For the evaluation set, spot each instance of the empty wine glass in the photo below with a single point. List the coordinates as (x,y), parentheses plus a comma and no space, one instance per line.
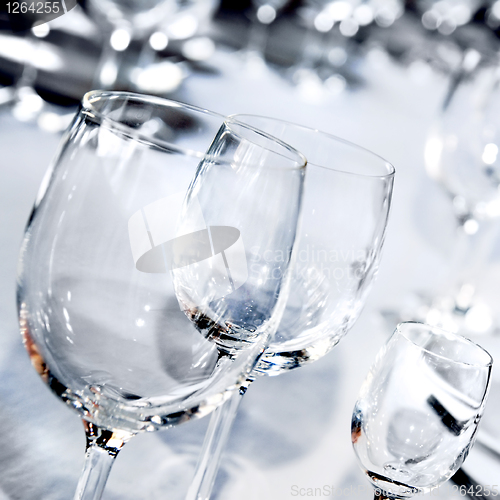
(417,414)
(136,303)
(462,155)
(345,209)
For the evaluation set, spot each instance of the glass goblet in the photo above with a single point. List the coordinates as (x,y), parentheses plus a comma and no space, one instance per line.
(417,414)
(136,302)
(462,156)
(345,210)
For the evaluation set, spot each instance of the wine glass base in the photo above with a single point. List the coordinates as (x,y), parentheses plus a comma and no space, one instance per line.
(391,488)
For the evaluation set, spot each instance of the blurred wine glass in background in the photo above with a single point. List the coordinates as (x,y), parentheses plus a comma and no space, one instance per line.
(462,155)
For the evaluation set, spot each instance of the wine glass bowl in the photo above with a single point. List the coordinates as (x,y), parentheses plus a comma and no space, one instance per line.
(346,204)
(344,216)
(136,302)
(461,154)
(462,148)
(417,413)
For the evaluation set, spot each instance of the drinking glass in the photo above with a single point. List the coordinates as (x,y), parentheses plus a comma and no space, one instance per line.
(417,414)
(462,156)
(136,301)
(345,209)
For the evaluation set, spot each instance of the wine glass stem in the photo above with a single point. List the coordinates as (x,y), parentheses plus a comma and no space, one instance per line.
(470,254)
(95,473)
(216,437)
(102,448)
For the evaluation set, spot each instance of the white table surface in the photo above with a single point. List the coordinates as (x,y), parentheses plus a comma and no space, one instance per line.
(293,431)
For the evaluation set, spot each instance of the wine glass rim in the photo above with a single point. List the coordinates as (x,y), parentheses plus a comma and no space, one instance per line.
(390,167)
(87,104)
(450,335)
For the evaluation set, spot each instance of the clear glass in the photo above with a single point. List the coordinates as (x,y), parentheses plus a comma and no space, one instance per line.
(417,413)
(137,303)
(345,210)
(462,155)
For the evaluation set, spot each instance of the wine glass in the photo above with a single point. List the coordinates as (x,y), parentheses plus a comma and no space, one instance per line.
(462,156)
(417,414)
(345,209)
(136,302)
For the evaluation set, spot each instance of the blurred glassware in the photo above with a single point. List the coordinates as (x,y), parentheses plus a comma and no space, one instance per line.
(186,25)
(136,302)
(445,16)
(417,413)
(317,19)
(149,24)
(461,154)
(493,14)
(345,209)
(330,27)
(32,54)
(263,13)
(450,28)
(189,18)
(123,21)
(23,25)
